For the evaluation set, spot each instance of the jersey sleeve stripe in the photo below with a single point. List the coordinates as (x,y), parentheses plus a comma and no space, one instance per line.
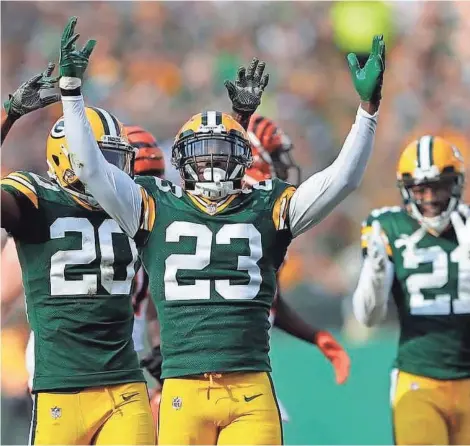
(26,191)
(280,210)
(148,211)
(23,179)
(152,213)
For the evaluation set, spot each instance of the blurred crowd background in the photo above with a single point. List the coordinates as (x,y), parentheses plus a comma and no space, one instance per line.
(156,64)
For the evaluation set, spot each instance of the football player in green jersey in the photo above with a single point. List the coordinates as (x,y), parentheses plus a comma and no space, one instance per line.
(420,253)
(211,249)
(77,267)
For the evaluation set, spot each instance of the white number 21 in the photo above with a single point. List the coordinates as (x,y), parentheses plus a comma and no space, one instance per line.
(437,278)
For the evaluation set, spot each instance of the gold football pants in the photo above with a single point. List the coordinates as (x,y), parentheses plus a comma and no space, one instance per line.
(430,411)
(215,409)
(103,415)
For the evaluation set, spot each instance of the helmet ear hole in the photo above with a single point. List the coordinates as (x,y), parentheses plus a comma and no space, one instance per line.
(55,158)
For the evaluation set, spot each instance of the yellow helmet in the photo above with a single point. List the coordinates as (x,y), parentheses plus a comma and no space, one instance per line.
(112,140)
(212,151)
(430,159)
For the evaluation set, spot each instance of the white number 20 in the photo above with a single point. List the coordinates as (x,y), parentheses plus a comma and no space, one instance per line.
(88,285)
(438,278)
(202,258)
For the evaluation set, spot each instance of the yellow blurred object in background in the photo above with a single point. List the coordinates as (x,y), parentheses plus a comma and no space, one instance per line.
(355,23)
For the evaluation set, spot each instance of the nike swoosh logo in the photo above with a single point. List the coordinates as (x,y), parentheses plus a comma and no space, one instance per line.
(128,396)
(251,398)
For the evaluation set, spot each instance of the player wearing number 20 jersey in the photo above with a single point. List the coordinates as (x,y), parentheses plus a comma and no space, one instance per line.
(78,267)
(421,254)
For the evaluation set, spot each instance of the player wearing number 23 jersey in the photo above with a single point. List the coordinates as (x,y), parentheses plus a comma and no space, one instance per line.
(421,254)
(78,266)
(212,249)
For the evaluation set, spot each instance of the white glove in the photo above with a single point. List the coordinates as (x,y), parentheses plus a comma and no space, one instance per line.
(376,279)
(376,248)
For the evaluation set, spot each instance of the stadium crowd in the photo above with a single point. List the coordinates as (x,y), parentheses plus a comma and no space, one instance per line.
(157,62)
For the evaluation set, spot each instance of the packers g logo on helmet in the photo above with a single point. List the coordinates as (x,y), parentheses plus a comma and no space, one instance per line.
(111,139)
(212,151)
(431,159)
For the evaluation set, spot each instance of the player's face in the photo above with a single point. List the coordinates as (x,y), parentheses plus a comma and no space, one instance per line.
(433,198)
(213,159)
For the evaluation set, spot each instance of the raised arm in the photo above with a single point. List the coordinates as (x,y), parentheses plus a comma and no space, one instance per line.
(247,90)
(28,98)
(321,193)
(370,300)
(316,197)
(113,189)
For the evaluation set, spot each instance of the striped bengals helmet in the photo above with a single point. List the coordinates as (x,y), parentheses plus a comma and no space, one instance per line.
(275,147)
(149,159)
(431,159)
(262,167)
(112,140)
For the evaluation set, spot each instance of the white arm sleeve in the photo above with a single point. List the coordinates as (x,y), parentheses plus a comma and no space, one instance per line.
(113,189)
(370,299)
(321,193)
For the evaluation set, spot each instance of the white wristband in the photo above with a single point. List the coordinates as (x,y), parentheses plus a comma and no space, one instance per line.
(70,83)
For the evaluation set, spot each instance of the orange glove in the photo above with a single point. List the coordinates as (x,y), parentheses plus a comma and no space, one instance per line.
(333,351)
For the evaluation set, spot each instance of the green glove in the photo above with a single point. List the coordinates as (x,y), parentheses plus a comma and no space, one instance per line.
(368,80)
(73,62)
(33,94)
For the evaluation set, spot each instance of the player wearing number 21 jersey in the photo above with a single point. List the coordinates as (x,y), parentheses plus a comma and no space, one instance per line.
(421,255)
(78,267)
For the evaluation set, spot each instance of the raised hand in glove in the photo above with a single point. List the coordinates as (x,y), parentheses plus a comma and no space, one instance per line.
(27,97)
(376,248)
(333,351)
(73,62)
(153,363)
(368,79)
(246,92)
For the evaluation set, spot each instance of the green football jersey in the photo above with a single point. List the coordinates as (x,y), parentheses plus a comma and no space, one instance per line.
(77,267)
(432,292)
(212,274)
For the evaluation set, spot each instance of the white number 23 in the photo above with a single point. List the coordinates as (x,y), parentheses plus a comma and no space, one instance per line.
(201,289)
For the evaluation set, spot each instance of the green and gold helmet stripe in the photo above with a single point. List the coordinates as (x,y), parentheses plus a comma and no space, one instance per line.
(109,122)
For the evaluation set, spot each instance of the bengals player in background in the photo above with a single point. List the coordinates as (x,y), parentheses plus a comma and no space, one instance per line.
(420,253)
(272,158)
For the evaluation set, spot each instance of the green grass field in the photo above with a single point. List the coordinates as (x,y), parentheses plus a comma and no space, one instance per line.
(322,412)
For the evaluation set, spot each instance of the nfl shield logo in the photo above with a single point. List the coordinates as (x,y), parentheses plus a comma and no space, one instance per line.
(177,403)
(56,412)
(212,209)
